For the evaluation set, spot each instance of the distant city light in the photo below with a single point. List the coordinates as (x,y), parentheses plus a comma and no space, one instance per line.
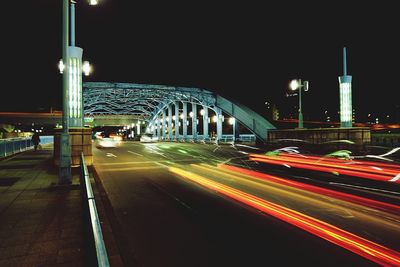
(231,121)
(202,112)
(191,114)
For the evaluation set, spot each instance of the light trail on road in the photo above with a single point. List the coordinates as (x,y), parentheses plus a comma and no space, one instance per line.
(385,175)
(361,246)
(332,193)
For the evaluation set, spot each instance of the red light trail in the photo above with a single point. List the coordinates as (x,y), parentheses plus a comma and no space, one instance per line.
(361,246)
(339,195)
(331,166)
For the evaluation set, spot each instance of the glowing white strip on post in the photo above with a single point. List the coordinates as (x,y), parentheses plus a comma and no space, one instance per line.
(345,103)
(74,87)
(70,89)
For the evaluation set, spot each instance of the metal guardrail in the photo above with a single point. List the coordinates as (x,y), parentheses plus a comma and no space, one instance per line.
(225,138)
(11,146)
(99,252)
(242,138)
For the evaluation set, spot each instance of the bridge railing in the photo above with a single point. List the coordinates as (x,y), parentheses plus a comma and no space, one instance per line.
(226,138)
(95,242)
(245,138)
(11,146)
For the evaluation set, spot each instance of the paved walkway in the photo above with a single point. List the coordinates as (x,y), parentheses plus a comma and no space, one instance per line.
(41,223)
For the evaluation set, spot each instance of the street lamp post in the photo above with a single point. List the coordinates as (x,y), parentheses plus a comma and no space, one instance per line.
(65,149)
(70,66)
(294,85)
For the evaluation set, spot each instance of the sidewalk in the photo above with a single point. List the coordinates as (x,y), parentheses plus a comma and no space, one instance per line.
(41,224)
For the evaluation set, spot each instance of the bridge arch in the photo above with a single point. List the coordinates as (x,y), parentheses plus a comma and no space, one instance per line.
(156,104)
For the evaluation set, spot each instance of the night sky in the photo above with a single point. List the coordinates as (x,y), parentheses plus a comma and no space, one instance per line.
(245,50)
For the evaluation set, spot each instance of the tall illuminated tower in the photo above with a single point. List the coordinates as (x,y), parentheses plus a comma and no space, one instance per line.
(346,108)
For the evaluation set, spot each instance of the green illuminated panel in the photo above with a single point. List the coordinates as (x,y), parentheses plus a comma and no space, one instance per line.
(75,85)
(345,105)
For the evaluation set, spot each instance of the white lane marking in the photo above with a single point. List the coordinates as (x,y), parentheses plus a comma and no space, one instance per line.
(368,188)
(110,155)
(134,153)
(394,179)
(243,152)
(171,195)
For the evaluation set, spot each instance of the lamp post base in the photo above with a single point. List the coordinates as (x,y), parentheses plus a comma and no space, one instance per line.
(300,124)
(65,176)
(80,140)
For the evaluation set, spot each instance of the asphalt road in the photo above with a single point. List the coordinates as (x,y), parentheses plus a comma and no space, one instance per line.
(163,219)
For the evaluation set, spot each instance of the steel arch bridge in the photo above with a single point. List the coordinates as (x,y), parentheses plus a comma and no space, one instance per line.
(164,109)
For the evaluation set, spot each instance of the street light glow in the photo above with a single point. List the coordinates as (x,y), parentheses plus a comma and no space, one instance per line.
(86,68)
(231,121)
(93,2)
(61,66)
(294,84)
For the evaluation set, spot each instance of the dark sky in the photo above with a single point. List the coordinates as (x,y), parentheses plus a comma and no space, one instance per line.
(245,50)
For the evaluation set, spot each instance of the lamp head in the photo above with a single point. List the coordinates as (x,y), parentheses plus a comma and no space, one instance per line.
(86,68)
(294,84)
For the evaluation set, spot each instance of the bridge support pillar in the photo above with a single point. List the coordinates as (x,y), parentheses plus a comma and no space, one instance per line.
(177,120)
(153,128)
(170,122)
(219,123)
(236,132)
(194,121)
(157,125)
(205,123)
(163,124)
(184,121)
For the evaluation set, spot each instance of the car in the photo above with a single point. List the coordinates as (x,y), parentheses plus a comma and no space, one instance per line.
(107,142)
(148,138)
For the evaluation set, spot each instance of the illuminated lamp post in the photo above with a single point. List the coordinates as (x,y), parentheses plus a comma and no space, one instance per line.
(71,105)
(297,85)
(65,149)
(346,109)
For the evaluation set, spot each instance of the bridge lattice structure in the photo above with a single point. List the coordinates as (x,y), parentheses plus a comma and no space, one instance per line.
(171,112)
